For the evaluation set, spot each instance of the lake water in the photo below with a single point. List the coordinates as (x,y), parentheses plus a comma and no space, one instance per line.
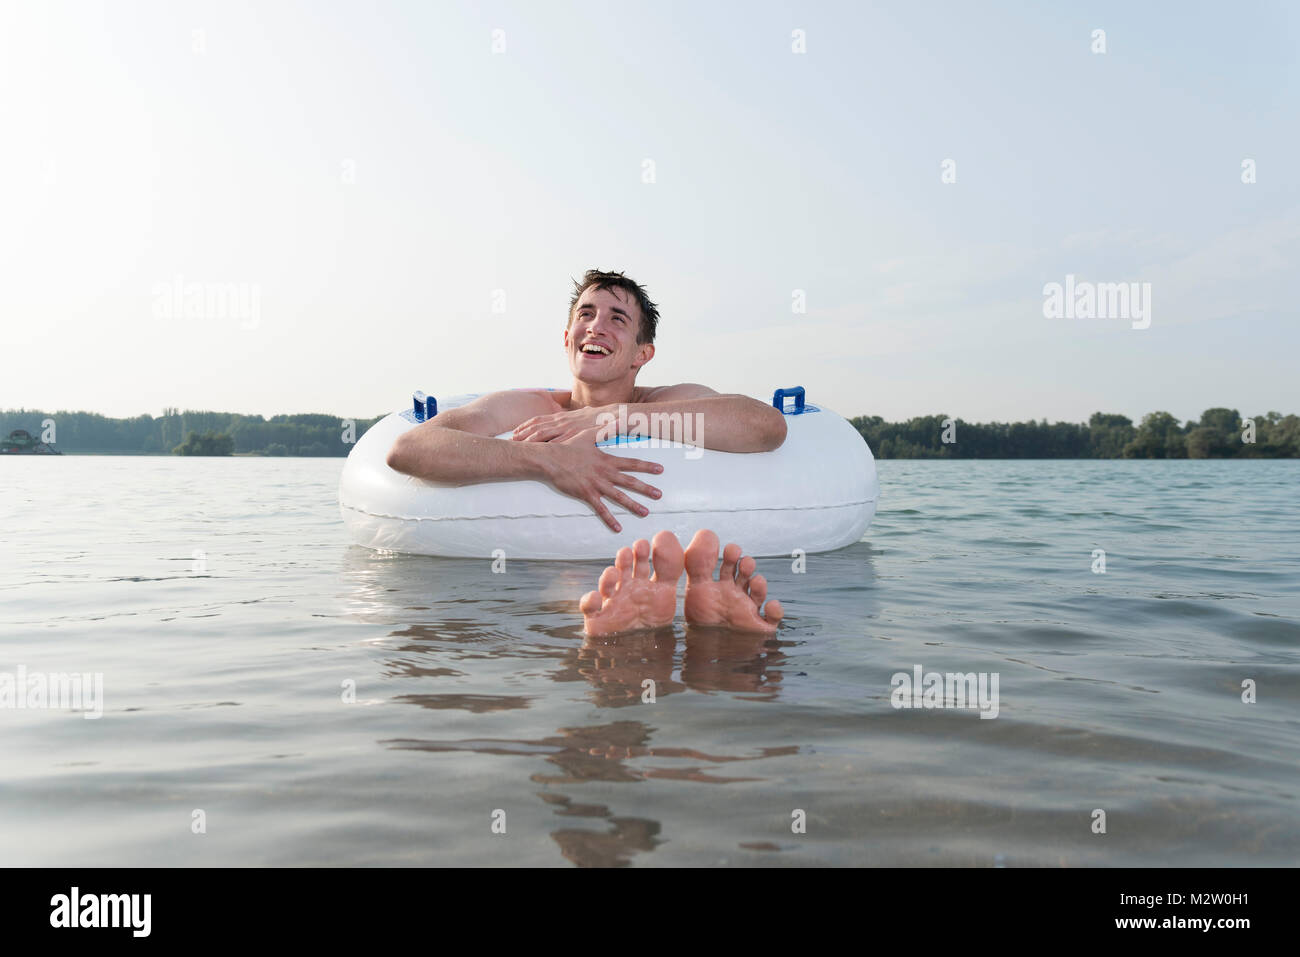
(230,619)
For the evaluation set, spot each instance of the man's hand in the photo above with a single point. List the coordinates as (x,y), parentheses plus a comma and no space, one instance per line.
(577,468)
(561,426)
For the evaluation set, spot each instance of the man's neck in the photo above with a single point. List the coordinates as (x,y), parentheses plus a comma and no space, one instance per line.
(586,395)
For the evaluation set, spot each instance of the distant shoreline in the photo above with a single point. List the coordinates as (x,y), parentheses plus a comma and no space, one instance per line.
(1220,433)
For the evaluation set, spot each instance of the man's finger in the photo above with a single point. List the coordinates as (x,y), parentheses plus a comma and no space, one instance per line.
(637,465)
(636,508)
(605,514)
(635,484)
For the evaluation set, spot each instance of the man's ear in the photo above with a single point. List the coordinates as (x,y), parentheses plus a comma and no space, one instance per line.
(644,355)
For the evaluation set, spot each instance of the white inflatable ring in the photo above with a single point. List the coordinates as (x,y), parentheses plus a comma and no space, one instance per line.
(817,492)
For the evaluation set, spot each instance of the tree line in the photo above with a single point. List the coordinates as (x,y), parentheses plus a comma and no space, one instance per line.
(1218,434)
(193,433)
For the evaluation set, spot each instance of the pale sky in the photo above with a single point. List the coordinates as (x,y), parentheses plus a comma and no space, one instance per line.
(368,174)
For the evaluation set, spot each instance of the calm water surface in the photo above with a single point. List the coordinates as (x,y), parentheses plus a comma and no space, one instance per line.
(230,617)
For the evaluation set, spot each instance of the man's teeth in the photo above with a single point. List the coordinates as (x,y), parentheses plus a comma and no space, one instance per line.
(593,348)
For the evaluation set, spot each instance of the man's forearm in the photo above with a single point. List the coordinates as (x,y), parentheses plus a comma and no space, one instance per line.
(726,423)
(462,458)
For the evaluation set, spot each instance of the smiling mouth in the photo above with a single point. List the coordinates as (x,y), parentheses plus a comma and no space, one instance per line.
(593,351)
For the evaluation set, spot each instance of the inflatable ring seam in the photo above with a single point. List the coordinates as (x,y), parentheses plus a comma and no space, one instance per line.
(616,508)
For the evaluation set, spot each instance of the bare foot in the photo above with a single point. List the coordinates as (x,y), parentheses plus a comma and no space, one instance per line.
(734,599)
(628,598)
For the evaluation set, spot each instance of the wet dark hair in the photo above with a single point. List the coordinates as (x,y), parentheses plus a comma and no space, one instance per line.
(607,280)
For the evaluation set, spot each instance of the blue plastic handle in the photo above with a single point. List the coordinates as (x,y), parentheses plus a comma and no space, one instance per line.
(425,406)
(780,395)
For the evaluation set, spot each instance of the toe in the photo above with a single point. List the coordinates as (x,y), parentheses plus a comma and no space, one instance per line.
(773,613)
(758,590)
(743,572)
(590,603)
(623,563)
(641,552)
(668,557)
(702,556)
(609,581)
(730,555)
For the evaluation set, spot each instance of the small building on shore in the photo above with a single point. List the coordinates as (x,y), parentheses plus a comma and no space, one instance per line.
(22,442)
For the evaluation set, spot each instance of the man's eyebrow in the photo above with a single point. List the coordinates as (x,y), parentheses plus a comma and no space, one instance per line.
(616,309)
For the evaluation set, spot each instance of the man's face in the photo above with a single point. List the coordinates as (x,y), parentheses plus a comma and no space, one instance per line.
(601,338)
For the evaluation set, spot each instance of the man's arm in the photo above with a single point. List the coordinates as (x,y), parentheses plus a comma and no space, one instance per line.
(728,423)
(688,413)
(457,447)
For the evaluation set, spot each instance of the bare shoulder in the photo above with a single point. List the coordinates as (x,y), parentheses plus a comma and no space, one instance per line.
(498,412)
(669,393)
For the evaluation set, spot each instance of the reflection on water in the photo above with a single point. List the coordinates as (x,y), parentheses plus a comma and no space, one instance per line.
(621,670)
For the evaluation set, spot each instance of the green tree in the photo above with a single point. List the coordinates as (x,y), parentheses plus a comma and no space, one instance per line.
(1109,435)
(1221,420)
(1216,436)
(1158,437)
(1276,436)
(209,443)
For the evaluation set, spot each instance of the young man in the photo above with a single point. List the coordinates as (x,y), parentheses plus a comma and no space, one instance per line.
(608,338)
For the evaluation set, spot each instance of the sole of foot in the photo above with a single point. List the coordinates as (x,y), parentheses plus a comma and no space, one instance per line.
(732,600)
(628,597)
